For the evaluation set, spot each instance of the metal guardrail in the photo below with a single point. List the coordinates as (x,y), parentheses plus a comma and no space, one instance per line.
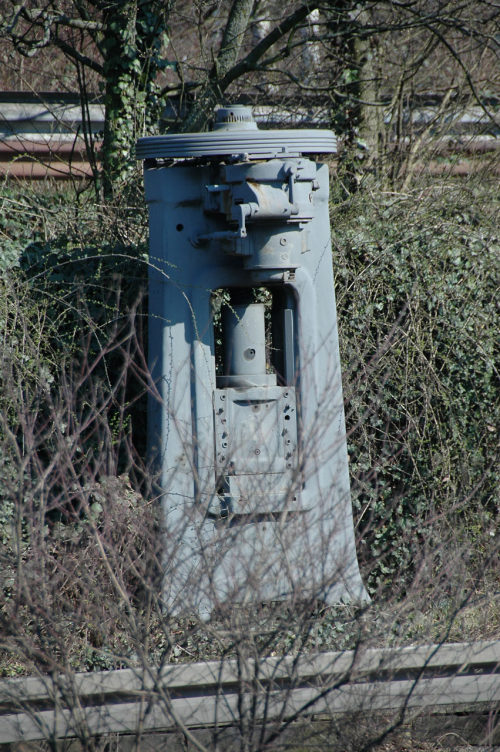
(43,136)
(213,694)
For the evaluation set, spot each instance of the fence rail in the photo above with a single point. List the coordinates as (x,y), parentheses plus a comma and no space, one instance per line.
(43,136)
(214,694)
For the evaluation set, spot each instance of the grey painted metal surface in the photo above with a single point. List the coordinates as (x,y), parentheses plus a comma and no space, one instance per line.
(252,451)
(462,676)
(221,710)
(257,145)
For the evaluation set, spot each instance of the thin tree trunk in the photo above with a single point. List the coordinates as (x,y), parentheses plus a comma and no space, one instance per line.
(119,45)
(211,93)
(133,104)
(371,118)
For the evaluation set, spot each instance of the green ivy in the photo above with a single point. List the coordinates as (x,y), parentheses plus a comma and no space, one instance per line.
(417,288)
(132,48)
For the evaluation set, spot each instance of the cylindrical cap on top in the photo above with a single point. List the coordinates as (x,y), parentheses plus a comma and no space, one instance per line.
(237,117)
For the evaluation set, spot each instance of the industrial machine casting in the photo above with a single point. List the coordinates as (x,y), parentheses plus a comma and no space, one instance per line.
(246,417)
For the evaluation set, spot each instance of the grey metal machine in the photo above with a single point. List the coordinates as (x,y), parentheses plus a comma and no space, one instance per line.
(247,423)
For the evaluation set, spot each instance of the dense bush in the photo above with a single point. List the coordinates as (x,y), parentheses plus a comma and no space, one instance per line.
(71,302)
(417,280)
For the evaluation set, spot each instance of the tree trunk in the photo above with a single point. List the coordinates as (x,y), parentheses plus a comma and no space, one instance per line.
(131,48)
(370,118)
(358,116)
(211,93)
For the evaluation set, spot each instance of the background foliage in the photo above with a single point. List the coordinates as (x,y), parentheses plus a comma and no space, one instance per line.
(416,280)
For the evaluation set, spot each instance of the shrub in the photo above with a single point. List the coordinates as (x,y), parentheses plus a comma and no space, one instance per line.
(417,279)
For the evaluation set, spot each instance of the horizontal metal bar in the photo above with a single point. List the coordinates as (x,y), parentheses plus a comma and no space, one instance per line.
(39,170)
(163,713)
(161,707)
(217,673)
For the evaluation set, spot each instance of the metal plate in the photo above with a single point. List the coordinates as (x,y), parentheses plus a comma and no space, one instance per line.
(253,143)
(256,429)
(256,447)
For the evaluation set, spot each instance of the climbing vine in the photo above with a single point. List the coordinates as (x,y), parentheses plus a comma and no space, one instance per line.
(132,49)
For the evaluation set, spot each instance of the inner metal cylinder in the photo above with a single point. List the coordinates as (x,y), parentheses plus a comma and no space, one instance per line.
(244,335)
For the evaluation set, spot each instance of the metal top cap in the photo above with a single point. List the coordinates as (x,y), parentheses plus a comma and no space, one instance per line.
(236,134)
(235,117)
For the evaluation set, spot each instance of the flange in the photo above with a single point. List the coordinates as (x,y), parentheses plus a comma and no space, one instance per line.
(235,134)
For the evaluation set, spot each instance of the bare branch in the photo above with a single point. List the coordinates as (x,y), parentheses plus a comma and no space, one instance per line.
(78,57)
(225,69)
(461,63)
(36,14)
(236,26)
(249,62)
